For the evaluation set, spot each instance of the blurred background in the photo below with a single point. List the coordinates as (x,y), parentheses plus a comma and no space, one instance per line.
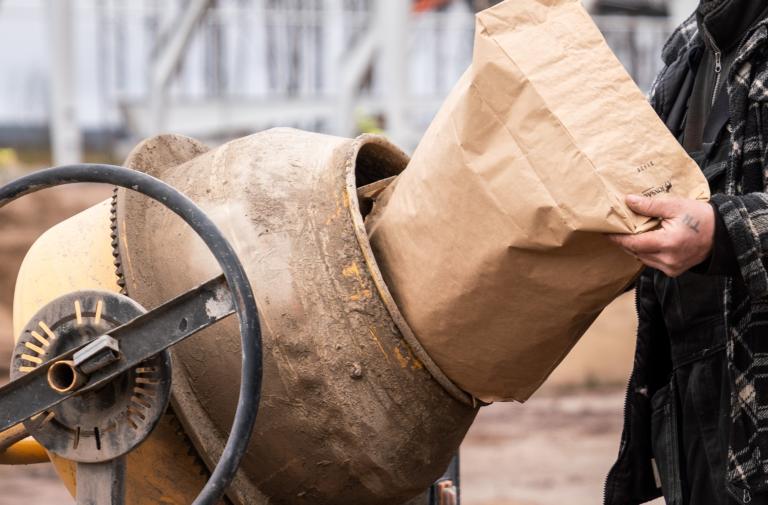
(84,80)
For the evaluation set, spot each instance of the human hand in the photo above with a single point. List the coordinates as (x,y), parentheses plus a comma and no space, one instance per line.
(684,240)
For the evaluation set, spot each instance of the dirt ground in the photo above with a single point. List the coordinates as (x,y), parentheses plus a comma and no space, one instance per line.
(555,449)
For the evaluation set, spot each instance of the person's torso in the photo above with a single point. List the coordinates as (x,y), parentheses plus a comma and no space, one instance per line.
(692,304)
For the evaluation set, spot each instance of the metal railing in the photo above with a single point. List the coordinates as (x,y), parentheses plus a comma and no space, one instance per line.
(289,52)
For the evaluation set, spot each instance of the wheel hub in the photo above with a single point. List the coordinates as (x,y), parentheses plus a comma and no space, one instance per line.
(104,423)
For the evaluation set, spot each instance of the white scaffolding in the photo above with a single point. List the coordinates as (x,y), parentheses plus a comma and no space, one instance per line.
(381,45)
(66,142)
(216,69)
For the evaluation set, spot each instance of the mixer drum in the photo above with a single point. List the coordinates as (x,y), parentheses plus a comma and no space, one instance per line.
(349,413)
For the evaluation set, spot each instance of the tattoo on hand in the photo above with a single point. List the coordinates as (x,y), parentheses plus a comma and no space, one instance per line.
(691,222)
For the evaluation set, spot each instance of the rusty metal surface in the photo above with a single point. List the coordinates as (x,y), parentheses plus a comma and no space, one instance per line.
(384,155)
(349,414)
(154,156)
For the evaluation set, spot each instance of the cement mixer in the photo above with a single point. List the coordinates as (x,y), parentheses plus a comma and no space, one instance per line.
(131,376)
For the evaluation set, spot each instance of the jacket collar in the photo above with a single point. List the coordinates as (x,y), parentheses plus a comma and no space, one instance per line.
(727,22)
(687,37)
(682,41)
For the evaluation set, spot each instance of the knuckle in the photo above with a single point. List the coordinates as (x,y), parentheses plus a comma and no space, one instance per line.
(668,261)
(676,266)
(668,203)
(664,243)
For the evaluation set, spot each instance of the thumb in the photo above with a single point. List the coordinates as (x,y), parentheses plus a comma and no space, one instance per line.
(661,206)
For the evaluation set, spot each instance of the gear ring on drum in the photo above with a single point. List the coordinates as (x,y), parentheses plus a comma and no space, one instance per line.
(160,328)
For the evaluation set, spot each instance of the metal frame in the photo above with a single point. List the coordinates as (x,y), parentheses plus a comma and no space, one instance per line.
(385,45)
(101,483)
(168,58)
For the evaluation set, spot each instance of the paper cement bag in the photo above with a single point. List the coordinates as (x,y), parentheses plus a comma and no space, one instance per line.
(492,240)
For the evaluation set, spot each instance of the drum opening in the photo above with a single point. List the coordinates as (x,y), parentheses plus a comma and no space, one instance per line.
(376,167)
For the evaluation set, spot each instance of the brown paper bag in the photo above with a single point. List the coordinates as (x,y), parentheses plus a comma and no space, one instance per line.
(492,240)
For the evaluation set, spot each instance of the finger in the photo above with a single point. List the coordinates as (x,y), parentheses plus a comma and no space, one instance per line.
(627,251)
(623,242)
(616,238)
(650,242)
(665,207)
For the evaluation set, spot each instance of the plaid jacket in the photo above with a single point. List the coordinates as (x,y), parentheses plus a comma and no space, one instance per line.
(744,207)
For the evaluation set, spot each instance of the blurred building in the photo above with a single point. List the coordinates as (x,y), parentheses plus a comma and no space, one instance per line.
(654,8)
(216,69)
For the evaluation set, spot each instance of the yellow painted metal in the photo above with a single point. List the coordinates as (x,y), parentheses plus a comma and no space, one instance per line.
(77,255)
(25,452)
(17,448)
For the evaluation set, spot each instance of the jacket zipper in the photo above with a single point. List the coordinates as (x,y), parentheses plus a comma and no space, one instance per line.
(624,443)
(626,427)
(719,56)
(718,63)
